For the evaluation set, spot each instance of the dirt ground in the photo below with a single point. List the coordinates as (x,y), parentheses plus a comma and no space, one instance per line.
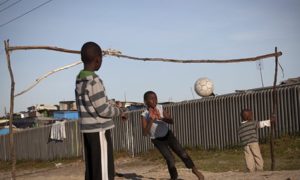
(141,170)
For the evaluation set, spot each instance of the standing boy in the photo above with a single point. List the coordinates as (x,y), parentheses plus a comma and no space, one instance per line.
(95,112)
(248,135)
(155,123)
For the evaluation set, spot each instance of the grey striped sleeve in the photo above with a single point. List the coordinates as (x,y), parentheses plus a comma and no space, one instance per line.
(98,98)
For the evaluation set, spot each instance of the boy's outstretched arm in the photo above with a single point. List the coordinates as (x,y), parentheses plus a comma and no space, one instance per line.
(124,113)
(266,123)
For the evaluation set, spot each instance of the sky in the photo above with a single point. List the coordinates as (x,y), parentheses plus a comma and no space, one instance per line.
(191,29)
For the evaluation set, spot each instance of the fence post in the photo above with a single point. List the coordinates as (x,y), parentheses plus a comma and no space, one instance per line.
(274,113)
(11,113)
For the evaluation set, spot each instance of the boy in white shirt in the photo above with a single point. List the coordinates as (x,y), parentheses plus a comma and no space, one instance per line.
(155,123)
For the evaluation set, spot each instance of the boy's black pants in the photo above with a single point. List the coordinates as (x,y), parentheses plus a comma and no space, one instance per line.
(164,144)
(93,159)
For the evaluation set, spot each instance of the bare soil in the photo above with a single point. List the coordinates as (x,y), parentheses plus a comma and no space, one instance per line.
(135,168)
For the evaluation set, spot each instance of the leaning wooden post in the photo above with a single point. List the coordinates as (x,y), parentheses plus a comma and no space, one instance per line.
(11,112)
(274,113)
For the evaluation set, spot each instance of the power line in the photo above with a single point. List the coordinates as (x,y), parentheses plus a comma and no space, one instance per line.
(3,2)
(25,13)
(10,5)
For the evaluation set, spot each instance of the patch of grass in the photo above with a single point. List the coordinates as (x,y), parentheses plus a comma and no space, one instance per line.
(287,157)
(287,153)
(217,160)
(121,154)
(286,150)
(26,165)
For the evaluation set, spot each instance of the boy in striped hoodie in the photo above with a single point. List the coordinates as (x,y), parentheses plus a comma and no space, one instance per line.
(249,139)
(95,112)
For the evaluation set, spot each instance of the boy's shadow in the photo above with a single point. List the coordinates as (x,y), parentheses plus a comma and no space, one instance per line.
(133,176)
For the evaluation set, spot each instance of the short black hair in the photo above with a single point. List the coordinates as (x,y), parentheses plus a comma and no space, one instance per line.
(147,94)
(245,110)
(89,51)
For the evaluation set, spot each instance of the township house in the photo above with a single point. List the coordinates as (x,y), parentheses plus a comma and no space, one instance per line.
(45,114)
(4,129)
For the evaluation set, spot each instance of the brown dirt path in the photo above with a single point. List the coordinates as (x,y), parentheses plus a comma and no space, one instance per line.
(138,169)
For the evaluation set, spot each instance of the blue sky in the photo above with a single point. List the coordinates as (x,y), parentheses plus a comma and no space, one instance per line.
(169,29)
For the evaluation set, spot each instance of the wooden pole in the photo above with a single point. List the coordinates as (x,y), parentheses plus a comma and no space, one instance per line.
(274,114)
(250,59)
(53,48)
(38,80)
(118,54)
(11,112)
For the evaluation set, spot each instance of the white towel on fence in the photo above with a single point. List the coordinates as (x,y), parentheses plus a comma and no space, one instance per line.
(58,131)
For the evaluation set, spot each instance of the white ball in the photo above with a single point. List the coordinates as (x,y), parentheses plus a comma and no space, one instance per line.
(204,87)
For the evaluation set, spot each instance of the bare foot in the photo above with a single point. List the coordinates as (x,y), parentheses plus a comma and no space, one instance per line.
(198,173)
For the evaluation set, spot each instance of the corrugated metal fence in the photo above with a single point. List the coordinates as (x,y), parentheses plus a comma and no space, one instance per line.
(212,123)
(208,123)
(34,144)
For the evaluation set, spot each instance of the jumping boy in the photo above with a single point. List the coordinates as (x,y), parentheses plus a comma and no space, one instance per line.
(155,123)
(96,114)
(248,135)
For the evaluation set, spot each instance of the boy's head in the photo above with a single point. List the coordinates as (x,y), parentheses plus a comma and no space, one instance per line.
(150,99)
(91,56)
(247,114)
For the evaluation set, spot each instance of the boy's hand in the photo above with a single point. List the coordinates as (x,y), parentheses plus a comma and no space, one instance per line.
(152,117)
(166,114)
(273,118)
(118,104)
(152,114)
(124,116)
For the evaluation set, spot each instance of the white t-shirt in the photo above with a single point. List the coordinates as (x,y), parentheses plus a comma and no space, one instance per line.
(159,128)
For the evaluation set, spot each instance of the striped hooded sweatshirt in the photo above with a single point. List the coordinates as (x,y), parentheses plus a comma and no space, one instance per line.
(248,132)
(94,109)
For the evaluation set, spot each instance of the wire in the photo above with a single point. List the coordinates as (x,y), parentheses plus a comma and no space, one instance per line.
(25,13)
(282,70)
(10,5)
(3,2)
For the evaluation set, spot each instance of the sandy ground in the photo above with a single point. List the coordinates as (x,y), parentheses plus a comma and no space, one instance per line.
(137,169)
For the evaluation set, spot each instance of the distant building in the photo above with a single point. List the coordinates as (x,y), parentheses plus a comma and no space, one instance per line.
(67,110)
(131,106)
(290,81)
(17,115)
(28,122)
(4,127)
(67,106)
(42,110)
(69,115)
(24,114)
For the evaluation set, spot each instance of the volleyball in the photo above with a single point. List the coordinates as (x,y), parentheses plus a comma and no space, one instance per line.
(204,87)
